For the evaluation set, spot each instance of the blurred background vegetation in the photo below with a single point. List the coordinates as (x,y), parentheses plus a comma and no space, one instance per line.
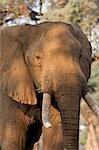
(84,13)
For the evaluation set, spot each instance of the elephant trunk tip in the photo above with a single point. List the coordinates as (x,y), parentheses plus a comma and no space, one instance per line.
(46,110)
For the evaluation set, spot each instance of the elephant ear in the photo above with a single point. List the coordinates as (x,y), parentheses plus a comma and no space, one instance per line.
(86,50)
(14,74)
(17,82)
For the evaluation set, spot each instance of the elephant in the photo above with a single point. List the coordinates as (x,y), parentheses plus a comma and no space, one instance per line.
(20,125)
(40,65)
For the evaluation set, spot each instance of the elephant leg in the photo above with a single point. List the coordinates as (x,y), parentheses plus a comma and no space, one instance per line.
(13,125)
(13,130)
(14,138)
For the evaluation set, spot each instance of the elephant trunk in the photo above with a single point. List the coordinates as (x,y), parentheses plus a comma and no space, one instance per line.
(68,100)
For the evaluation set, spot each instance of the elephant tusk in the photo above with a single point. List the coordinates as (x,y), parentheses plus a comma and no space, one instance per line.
(93,106)
(46,110)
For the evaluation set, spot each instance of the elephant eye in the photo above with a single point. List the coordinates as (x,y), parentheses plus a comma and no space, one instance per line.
(38,57)
(36,60)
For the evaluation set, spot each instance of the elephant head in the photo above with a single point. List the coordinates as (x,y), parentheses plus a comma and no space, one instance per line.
(54,58)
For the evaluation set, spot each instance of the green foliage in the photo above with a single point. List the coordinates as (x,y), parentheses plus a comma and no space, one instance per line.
(81,12)
(74,9)
(3,1)
(94,80)
(69,12)
(83,137)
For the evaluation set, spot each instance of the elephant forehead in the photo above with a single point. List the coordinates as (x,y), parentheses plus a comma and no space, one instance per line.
(52,44)
(61,39)
(65,45)
(58,29)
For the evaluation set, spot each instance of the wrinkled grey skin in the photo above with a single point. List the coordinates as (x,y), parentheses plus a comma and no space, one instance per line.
(53,57)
